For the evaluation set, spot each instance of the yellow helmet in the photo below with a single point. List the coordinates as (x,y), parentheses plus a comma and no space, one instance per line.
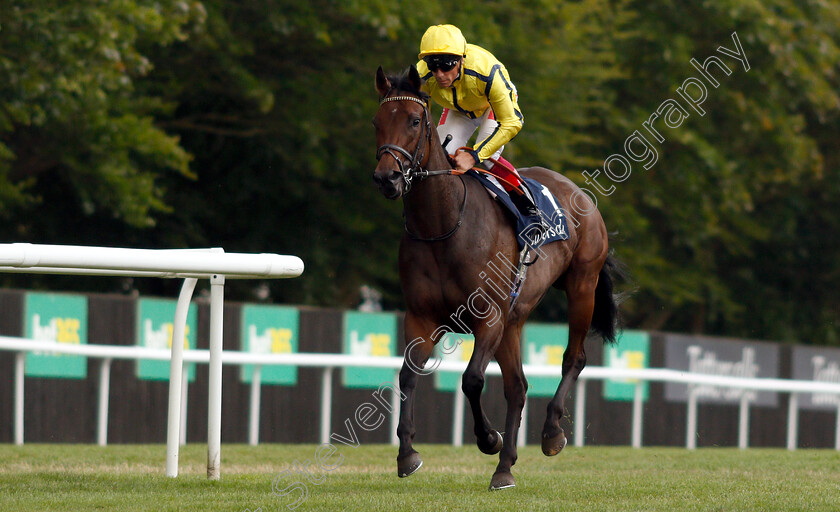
(443,39)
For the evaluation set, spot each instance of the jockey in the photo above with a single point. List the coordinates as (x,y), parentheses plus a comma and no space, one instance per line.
(476,93)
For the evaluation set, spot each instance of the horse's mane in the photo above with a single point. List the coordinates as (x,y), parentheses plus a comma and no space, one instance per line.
(402,83)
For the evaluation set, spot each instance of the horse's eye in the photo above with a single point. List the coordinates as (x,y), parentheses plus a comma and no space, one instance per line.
(415,122)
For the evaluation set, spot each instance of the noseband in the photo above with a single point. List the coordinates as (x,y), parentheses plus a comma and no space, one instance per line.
(412,169)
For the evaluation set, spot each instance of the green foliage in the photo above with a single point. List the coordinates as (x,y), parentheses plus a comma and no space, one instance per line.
(728,186)
(108,110)
(68,104)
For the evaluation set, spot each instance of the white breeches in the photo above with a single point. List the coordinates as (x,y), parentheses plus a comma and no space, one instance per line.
(461,127)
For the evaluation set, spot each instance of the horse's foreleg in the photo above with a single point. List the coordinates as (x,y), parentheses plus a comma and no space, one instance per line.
(489,441)
(510,359)
(418,349)
(581,304)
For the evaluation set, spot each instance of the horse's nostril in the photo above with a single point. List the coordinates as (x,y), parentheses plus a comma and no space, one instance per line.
(382,179)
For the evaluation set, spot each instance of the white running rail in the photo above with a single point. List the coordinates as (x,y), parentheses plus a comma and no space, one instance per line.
(190,264)
(329,362)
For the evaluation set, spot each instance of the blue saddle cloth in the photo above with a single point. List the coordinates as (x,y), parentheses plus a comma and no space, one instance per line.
(553,216)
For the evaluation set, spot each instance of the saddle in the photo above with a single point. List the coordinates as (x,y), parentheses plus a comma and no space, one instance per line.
(551,212)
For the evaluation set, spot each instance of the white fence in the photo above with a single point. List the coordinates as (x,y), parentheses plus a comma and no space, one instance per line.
(190,264)
(329,362)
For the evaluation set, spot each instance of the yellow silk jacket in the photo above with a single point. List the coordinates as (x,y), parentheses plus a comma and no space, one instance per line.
(483,83)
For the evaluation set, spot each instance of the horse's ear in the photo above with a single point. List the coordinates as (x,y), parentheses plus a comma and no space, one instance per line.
(414,78)
(383,85)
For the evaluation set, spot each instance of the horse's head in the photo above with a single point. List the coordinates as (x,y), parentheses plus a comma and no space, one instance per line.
(403,132)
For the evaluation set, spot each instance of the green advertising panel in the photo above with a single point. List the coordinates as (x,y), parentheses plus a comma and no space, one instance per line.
(154,330)
(631,351)
(544,344)
(270,330)
(453,347)
(60,318)
(369,334)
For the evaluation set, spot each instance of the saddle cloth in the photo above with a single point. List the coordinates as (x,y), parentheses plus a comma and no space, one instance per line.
(553,216)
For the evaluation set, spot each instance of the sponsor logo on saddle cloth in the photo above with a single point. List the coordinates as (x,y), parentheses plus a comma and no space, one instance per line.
(552,214)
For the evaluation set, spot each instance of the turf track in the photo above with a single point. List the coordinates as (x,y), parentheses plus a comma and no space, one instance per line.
(130,478)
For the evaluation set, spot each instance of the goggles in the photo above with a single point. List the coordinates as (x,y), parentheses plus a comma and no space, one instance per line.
(442,62)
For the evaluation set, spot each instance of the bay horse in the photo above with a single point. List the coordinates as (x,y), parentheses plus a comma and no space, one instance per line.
(453,229)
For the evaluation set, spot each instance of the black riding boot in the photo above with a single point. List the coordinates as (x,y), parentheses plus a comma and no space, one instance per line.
(524,204)
(527,208)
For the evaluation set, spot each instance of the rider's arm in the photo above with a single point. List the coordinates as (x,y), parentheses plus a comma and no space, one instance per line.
(503,101)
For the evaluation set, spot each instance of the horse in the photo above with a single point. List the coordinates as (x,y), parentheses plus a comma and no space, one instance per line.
(453,229)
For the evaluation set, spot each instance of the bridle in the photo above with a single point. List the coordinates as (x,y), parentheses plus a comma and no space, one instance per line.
(415,170)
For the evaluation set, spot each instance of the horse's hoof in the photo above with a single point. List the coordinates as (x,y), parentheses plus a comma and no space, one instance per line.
(408,465)
(554,444)
(492,449)
(502,480)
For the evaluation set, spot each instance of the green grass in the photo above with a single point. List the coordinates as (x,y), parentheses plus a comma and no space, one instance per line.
(130,478)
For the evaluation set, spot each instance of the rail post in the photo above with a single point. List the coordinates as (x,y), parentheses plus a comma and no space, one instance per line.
(214,391)
(744,422)
(638,395)
(20,367)
(580,412)
(793,421)
(691,420)
(326,404)
(104,394)
(176,367)
(254,418)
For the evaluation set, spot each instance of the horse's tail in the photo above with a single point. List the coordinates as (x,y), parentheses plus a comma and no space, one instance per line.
(605,317)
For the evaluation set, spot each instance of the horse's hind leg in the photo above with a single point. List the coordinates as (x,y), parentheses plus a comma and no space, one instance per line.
(580,290)
(419,347)
(509,357)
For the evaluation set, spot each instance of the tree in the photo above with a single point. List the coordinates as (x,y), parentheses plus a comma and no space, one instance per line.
(246,125)
(731,232)
(69,111)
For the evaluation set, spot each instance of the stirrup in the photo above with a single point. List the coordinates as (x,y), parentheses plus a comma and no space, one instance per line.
(526,254)
(521,272)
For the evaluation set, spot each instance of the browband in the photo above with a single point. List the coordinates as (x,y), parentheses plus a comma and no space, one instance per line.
(404,98)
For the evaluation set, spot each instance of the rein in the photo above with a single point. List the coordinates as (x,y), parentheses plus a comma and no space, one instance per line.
(448,233)
(414,169)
